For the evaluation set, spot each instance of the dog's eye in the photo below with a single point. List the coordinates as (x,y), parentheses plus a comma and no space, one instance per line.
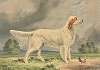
(75,18)
(82,20)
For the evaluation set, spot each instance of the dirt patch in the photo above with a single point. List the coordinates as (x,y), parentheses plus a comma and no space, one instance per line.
(91,64)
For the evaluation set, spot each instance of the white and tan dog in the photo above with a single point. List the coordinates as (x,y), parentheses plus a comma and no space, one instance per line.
(61,38)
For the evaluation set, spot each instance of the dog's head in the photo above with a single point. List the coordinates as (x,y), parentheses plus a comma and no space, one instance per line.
(73,20)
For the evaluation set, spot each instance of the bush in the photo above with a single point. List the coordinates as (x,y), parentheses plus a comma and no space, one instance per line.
(83,49)
(88,47)
(11,46)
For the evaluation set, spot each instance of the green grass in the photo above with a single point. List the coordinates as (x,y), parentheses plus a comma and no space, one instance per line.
(11,64)
(8,62)
(53,61)
(88,55)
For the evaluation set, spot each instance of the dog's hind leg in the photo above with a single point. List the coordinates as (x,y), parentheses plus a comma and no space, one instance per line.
(39,55)
(34,46)
(29,51)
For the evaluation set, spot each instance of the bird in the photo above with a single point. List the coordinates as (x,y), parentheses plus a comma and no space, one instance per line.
(82,60)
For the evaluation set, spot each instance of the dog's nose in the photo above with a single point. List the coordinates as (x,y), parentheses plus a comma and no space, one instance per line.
(82,21)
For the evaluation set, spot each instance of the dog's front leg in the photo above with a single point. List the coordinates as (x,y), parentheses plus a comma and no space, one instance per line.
(69,54)
(61,50)
(63,53)
(66,54)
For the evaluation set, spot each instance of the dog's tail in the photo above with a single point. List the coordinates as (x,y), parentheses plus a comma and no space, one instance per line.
(22,37)
(16,33)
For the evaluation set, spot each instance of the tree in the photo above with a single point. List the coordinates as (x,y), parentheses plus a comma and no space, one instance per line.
(11,46)
(88,47)
(83,49)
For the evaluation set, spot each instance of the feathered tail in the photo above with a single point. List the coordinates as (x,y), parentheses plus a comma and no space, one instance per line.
(22,37)
(20,33)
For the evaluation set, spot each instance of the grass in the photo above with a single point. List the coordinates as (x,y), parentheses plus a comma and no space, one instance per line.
(11,64)
(88,55)
(53,61)
(8,62)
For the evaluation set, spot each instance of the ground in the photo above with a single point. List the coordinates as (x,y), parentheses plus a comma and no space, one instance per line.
(53,62)
(91,64)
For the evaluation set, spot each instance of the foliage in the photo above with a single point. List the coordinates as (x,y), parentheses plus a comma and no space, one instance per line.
(88,47)
(11,46)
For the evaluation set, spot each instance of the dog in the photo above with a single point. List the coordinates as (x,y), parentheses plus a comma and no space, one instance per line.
(61,38)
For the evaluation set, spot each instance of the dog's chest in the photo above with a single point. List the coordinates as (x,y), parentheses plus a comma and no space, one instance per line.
(68,36)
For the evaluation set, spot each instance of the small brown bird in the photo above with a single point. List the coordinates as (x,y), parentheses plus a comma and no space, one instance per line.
(82,60)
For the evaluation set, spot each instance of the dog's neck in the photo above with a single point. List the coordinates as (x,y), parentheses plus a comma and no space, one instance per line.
(69,31)
(70,23)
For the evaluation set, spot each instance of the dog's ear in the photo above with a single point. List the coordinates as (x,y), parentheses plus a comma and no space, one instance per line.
(71,22)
